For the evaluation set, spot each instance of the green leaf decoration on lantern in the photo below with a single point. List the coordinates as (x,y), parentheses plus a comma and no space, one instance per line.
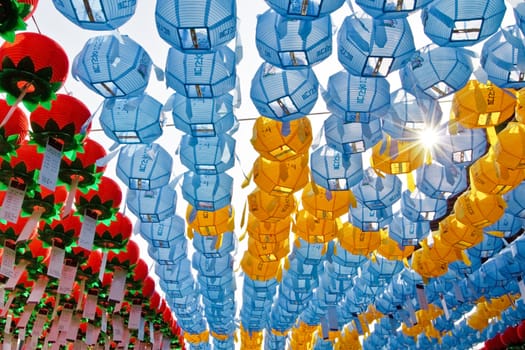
(20,172)
(72,143)
(12,20)
(106,211)
(40,91)
(89,178)
(47,234)
(8,145)
(52,210)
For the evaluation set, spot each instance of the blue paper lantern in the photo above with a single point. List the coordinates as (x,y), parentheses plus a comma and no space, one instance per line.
(144,167)
(437,71)
(343,257)
(334,170)
(133,119)
(293,44)
(160,233)
(461,269)
(377,192)
(488,247)
(208,155)
(416,206)
(202,117)
(284,95)
(441,182)
(367,219)
(214,246)
(357,99)
(96,15)
(388,9)
(113,67)
(207,192)
(304,9)
(380,272)
(355,137)
(507,226)
(202,75)
(372,47)
(519,15)
(514,200)
(171,254)
(462,22)
(154,205)
(196,26)
(406,232)
(461,148)
(409,117)
(503,58)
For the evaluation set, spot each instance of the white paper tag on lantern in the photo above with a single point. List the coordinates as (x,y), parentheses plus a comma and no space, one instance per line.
(151,333)
(445,307)
(166,343)
(103,264)
(22,335)
(90,306)
(13,200)
(67,279)
(521,285)
(26,314)
(37,292)
(422,297)
(18,271)
(92,333)
(38,325)
(134,316)
(157,340)
(118,285)
(72,331)
(87,231)
(8,322)
(50,164)
(125,338)
(56,262)
(7,268)
(118,328)
(52,336)
(142,326)
(8,339)
(64,321)
(7,305)
(104,322)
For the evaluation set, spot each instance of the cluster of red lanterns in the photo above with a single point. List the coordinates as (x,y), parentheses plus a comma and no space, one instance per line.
(512,338)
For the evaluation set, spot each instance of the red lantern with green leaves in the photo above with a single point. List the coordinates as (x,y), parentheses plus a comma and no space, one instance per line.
(125,258)
(115,236)
(104,202)
(32,69)
(22,168)
(14,15)
(64,121)
(13,132)
(63,232)
(33,254)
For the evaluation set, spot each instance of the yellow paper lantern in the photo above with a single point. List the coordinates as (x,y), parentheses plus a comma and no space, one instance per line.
(488,176)
(279,141)
(251,340)
(459,235)
(281,178)
(479,209)
(257,269)
(395,157)
(325,204)
(268,251)
(391,250)
(441,251)
(424,265)
(359,242)
(413,331)
(520,106)
(268,231)
(509,151)
(210,223)
(479,105)
(267,207)
(426,316)
(315,230)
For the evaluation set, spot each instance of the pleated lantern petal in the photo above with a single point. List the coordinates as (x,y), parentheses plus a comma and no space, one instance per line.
(377,192)
(315,230)
(509,151)
(306,10)
(201,117)
(100,15)
(358,242)
(459,235)
(386,9)
(113,67)
(373,47)
(439,181)
(15,130)
(144,167)
(34,78)
(323,203)
(201,75)
(356,99)
(275,140)
(335,171)
(281,178)
(64,122)
(152,205)
(196,26)
(352,137)
(22,168)
(284,95)
(293,44)
(207,192)
(103,202)
(461,148)
(268,231)
(488,176)
(207,155)
(461,22)
(132,119)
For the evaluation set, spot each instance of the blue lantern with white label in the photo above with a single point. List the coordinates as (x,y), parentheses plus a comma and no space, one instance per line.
(389,9)
(354,137)
(357,99)
(439,181)
(113,67)
(133,119)
(197,25)
(416,206)
(334,170)
(293,44)
(377,192)
(207,192)
(144,167)
(203,117)
(208,155)
(160,233)
(461,148)
(304,9)
(371,47)
(488,247)
(153,205)
(284,94)
(368,219)
(201,75)
(406,232)
(96,15)
(462,22)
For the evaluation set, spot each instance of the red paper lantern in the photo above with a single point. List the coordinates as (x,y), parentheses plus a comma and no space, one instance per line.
(103,202)
(115,236)
(23,167)
(14,131)
(125,259)
(14,15)
(510,336)
(63,232)
(46,201)
(32,69)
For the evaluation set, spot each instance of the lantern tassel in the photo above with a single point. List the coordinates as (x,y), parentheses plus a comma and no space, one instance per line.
(19,99)
(411,183)
(31,224)
(68,205)
(492,136)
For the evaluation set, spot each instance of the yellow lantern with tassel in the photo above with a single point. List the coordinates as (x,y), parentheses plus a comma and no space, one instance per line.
(315,230)
(267,207)
(359,242)
(210,223)
(391,250)
(509,151)
(281,178)
(259,270)
(268,231)
(441,251)
(479,209)
(459,235)
(489,176)
(423,264)
(325,204)
(395,157)
(268,251)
